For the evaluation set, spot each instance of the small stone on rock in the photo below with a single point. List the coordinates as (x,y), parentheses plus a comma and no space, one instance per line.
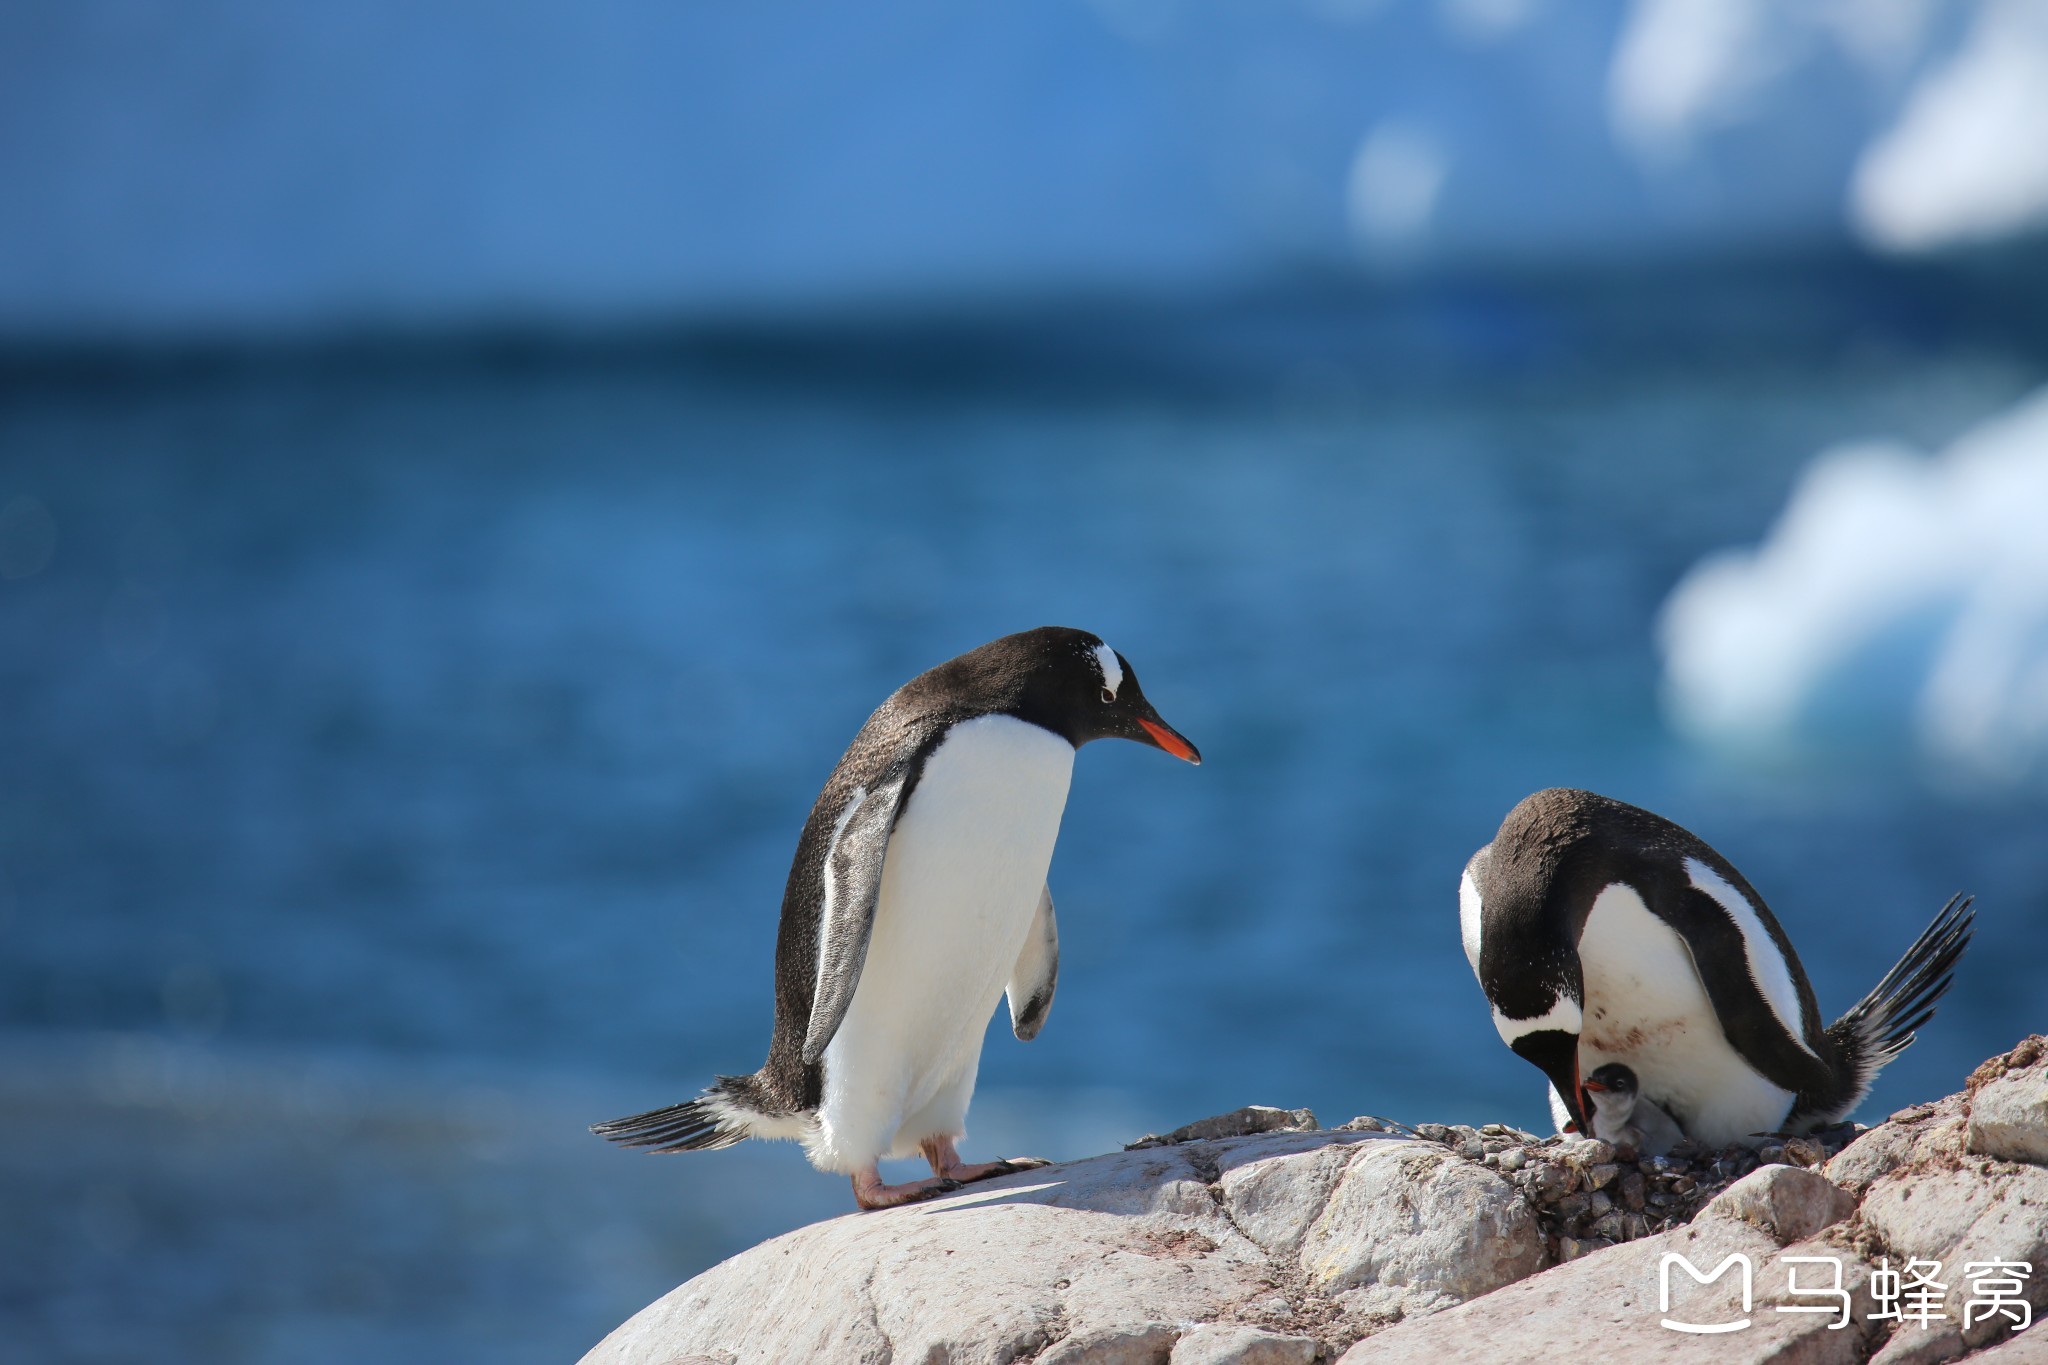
(1217,1344)
(1249,1121)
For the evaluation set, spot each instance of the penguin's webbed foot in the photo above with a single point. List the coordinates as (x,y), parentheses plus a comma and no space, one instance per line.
(946,1163)
(989,1170)
(870,1193)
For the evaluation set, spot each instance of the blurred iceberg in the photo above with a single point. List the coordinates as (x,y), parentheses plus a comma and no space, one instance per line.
(1966,162)
(1685,69)
(245,167)
(1900,602)
(1945,101)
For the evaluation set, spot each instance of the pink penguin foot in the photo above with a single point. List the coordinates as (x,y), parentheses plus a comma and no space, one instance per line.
(870,1193)
(946,1163)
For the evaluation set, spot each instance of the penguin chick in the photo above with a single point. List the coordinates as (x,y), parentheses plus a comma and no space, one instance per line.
(1621,1116)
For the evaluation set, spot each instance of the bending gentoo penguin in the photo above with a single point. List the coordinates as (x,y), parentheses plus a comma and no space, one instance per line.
(1620,1115)
(1602,933)
(918,897)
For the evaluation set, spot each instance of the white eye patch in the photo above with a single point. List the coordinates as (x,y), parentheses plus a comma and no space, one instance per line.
(1112,670)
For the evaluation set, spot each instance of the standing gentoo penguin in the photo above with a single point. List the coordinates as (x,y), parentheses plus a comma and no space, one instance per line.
(1602,933)
(916,899)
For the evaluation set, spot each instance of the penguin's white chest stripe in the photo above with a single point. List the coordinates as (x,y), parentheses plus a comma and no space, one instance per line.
(960,886)
(1766,964)
(1647,1007)
(1562,1015)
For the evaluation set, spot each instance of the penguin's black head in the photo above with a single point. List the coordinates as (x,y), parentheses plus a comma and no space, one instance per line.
(1074,685)
(1527,960)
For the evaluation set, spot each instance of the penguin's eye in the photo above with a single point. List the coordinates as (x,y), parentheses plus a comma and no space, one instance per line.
(1108,696)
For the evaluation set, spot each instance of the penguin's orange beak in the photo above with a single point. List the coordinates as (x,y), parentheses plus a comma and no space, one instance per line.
(1171,740)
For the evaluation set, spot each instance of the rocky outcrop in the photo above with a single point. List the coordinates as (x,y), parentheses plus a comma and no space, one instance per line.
(1921,1186)
(1278,1244)
(2009,1106)
(1256,1238)
(1589,1196)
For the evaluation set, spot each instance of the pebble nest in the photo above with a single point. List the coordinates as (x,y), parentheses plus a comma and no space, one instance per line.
(1588,1194)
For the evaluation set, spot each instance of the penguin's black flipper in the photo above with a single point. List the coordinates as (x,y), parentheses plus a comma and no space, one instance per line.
(853,885)
(1037,972)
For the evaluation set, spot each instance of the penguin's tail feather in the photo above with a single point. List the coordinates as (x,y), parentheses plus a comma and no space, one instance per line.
(728,1112)
(1883,1023)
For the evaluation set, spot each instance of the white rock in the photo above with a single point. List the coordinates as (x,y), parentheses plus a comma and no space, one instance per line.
(1211,1345)
(1147,1343)
(1284,1248)
(1605,1307)
(2009,1115)
(1787,1202)
(1115,1259)
(1410,1228)
(2025,1348)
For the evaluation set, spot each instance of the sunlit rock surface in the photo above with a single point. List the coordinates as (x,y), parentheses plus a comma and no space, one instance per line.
(1277,1238)
(1381,1243)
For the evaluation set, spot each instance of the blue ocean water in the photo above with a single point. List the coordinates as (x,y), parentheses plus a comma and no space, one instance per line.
(402,757)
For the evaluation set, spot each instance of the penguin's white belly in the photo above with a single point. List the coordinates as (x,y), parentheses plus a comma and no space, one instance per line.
(960,886)
(1646,1007)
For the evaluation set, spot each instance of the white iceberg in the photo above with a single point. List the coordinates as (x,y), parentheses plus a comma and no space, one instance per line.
(243,167)
(1946,103)
(1900,601)
(1965,162)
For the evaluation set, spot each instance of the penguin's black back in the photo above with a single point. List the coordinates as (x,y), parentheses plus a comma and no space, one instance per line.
(1031,675)
(1559,849)
(1556,851)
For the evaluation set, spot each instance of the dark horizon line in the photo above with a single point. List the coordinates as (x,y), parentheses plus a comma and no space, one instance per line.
(1503,318)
